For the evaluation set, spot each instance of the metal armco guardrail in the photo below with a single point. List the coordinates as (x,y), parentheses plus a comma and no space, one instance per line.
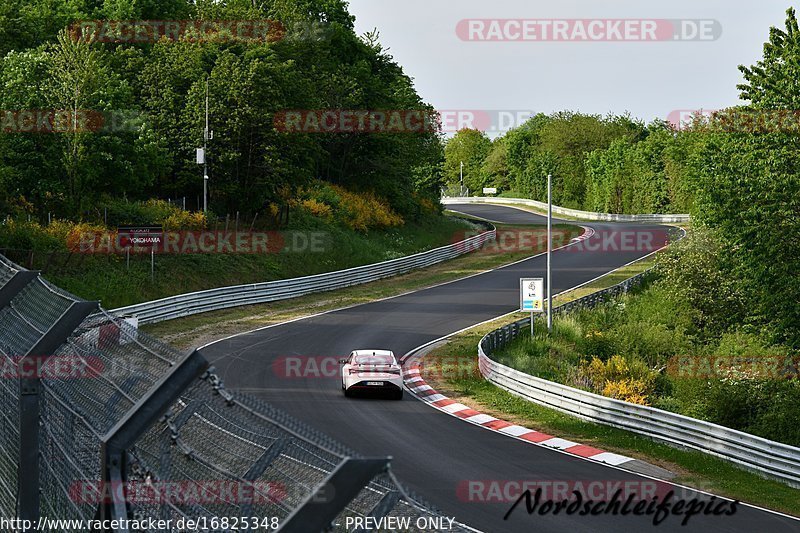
(575,213)
(770,458)
(259,293)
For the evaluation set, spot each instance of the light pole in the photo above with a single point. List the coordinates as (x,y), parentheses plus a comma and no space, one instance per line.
(461,187)
(205,157)
(549,253)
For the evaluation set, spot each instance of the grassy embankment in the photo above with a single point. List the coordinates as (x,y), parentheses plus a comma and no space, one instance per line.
(108,279)
(559,358)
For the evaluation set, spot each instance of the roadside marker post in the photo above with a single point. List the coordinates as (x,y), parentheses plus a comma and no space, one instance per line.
(531,296)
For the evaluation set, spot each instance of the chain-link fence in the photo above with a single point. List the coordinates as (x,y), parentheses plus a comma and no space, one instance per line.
(105,421)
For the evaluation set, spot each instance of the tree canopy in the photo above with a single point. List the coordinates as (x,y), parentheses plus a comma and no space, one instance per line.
(152,97)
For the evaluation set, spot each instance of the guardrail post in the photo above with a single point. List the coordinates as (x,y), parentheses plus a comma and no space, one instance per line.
(29,406)
(258,468)
(14,286)
(132,425)
(382,508)
(321,507)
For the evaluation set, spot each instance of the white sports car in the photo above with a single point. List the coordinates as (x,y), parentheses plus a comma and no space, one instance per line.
(372,370)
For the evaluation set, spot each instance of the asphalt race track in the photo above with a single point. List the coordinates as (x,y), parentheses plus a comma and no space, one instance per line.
(435,454)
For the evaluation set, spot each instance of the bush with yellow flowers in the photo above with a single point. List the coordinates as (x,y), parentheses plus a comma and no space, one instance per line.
(618,378)
(185,220)
(317,208)
(361,211)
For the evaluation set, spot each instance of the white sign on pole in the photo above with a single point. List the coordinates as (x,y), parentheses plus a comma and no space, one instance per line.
(490,190)
(201,156)
(531,294)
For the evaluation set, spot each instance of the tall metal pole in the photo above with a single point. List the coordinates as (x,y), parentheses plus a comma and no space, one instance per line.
(205,157)
(461,185)
(549,253)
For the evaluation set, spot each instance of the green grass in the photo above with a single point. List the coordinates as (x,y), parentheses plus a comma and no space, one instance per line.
(632,348)
(108,279)
(693,468)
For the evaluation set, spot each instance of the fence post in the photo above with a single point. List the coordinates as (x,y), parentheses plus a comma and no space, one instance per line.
(382,508)
(134,423)
(321,507)
(260,466)
(29,406)
(14,286)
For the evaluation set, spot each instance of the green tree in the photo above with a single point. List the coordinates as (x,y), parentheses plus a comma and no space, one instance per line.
(773,82)
(470,147)
(494,170)
(637,177)
(77,76)
(558,144)
(319,64)
(749,192)
(521,143)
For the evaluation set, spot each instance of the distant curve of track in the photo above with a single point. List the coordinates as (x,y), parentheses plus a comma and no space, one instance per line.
(433,453)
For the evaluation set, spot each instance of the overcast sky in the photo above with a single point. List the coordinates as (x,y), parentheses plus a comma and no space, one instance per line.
(648,79)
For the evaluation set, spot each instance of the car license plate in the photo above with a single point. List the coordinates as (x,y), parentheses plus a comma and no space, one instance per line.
(375,383)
